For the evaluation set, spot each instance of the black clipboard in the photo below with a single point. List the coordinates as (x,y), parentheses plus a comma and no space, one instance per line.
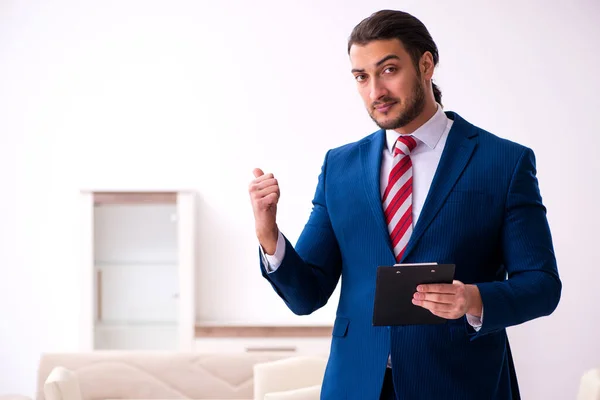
(394,290)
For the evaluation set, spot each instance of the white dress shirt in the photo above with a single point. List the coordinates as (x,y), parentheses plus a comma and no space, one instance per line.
(431,138)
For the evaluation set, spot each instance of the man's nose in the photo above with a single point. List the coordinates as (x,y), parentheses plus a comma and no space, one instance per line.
(377,91)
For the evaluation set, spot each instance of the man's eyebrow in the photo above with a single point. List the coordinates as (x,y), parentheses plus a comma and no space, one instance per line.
(378,63)
(387,58)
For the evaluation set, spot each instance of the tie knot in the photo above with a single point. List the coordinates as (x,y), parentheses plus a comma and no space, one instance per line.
(404,145)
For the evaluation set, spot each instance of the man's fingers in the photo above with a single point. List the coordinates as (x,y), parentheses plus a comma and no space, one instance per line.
(436,297)
(269,200)
(432,306)
(265,184)
(267,191)
(446,288)
(262,178)
(258,172)
(262,182)
(257,193)
(446,315)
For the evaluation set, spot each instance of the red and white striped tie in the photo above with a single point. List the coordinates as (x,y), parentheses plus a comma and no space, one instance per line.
(397,198)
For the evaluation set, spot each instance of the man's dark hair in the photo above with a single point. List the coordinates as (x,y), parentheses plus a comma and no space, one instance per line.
(390,24)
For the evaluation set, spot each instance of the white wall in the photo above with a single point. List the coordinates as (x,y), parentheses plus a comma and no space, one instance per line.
(190,94)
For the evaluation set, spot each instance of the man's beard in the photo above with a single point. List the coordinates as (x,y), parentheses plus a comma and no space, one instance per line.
(414,107)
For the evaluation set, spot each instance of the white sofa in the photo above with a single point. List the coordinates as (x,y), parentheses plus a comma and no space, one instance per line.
(151,375)
(168,376)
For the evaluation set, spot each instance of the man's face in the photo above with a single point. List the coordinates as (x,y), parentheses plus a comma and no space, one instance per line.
(388,82)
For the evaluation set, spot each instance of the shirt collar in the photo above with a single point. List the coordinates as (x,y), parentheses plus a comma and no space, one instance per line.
(429,133)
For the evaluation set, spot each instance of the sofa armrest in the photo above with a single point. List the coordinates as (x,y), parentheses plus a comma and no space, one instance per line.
(62,384)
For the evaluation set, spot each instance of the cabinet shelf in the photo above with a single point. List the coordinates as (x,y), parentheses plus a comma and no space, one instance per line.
(135,324)
(263,331)
(103,264)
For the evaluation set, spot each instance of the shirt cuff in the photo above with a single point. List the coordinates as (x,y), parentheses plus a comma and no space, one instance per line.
(272,262)
(475,322)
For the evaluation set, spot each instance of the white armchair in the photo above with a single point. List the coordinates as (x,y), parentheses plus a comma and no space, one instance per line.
(294,378)
(589,385)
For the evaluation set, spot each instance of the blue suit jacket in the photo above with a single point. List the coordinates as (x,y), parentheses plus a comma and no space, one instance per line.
(483,213)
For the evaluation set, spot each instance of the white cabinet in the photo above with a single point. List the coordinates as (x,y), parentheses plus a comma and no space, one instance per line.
(138,270)
(233,338)
(300,345)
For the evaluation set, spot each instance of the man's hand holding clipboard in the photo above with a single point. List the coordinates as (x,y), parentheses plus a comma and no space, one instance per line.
(418,294)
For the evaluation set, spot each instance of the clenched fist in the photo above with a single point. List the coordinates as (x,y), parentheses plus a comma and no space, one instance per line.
(264,194)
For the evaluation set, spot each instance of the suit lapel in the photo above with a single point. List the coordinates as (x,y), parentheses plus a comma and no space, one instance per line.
(370,154)
(457,152)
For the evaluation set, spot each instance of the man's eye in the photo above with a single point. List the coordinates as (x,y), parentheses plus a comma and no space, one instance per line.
(390,69)
(360,78)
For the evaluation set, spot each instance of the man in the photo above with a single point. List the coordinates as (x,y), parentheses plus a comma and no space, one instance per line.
(427,187)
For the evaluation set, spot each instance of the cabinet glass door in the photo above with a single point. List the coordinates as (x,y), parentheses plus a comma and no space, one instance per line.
(136,272)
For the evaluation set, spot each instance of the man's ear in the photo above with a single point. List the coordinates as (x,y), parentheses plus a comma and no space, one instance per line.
(426,65)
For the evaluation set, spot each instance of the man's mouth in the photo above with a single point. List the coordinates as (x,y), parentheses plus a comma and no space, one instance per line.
(383,108)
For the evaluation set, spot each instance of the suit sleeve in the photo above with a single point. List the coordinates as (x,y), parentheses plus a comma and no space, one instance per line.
(533,287)
(310,272)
